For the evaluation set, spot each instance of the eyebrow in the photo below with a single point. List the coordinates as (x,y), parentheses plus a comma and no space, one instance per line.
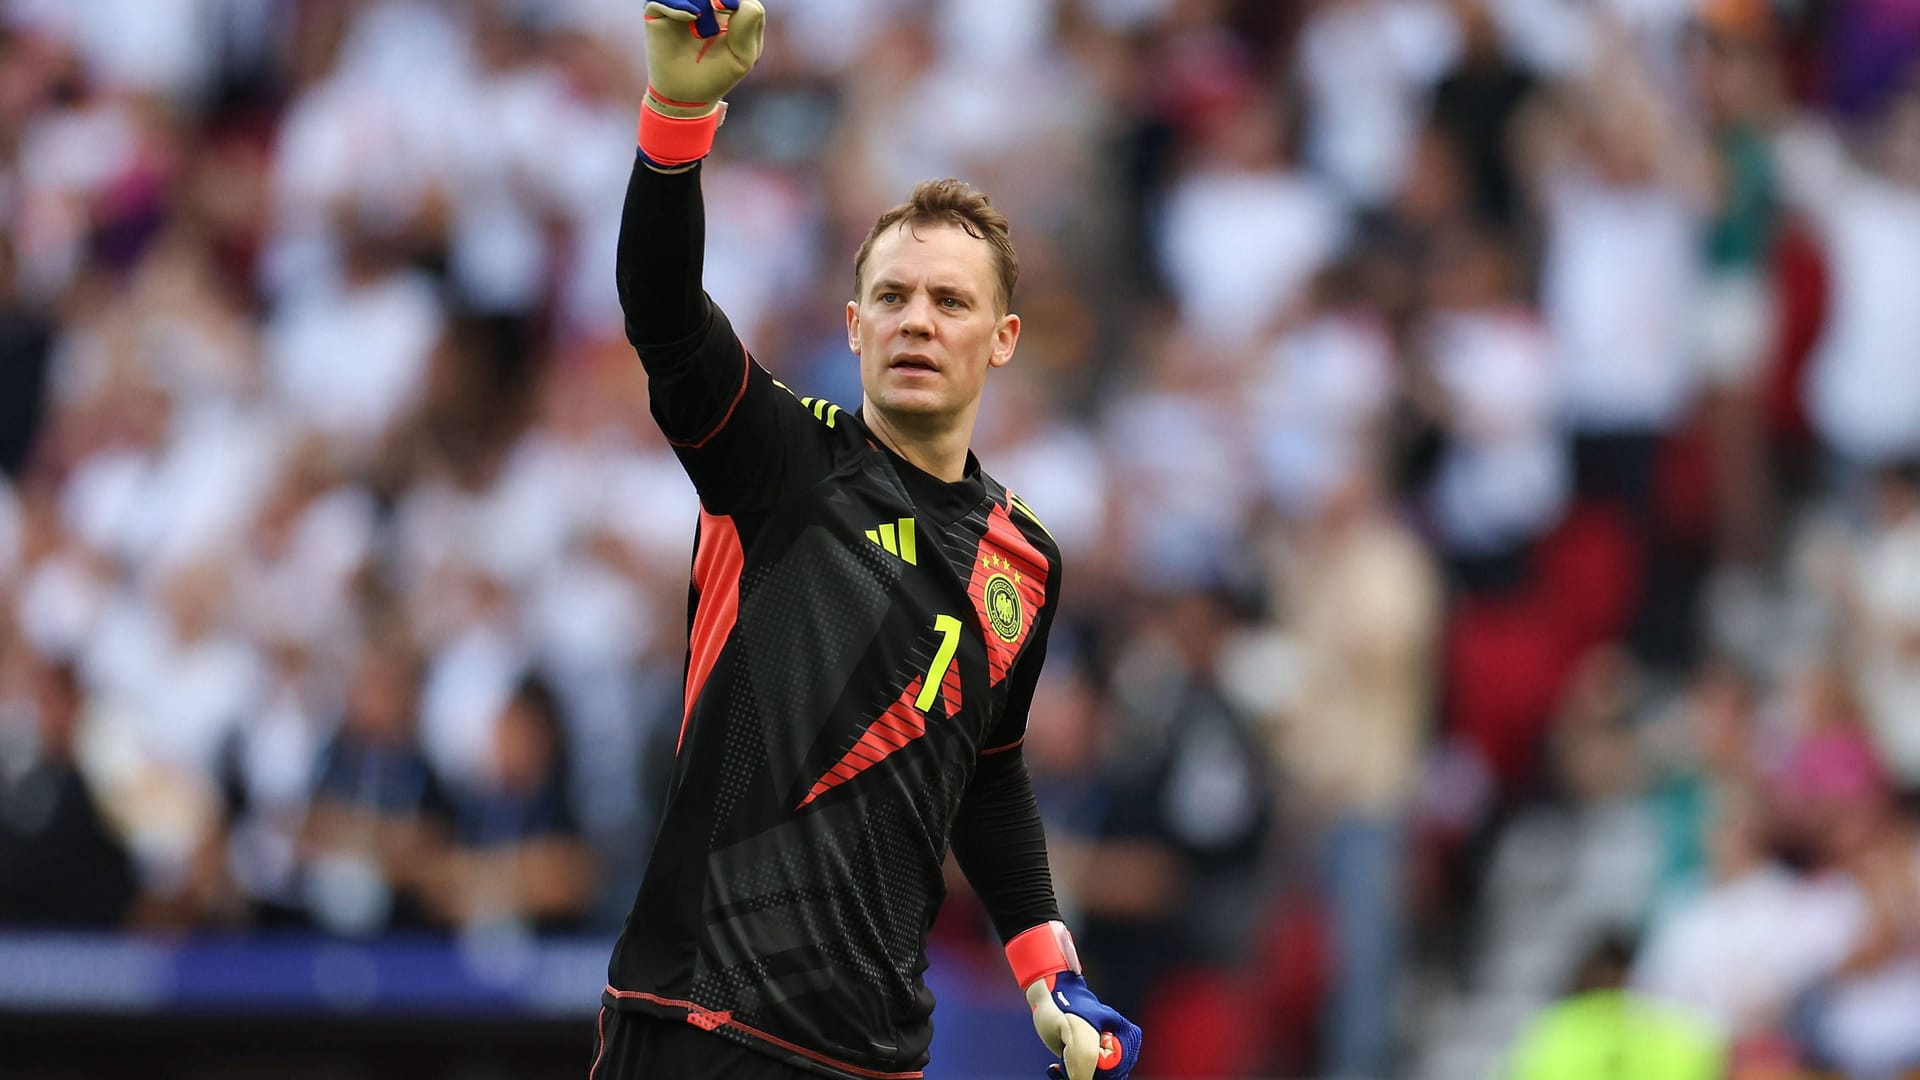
(938,287)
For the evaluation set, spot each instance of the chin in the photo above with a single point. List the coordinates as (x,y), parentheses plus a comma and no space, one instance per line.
(912,402)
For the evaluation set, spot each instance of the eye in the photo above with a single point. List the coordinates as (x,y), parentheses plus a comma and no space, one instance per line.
(889,297)
(950,302)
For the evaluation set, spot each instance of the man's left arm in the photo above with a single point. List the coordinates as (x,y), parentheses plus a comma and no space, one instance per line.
(1001,846)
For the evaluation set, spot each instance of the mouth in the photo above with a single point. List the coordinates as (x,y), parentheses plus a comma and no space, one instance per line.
(913,362)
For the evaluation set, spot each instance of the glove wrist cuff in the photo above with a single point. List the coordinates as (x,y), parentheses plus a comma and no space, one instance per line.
(1043,950)
(668,139)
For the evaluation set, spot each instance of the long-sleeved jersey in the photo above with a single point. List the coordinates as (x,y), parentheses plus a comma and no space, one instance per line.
(863,646)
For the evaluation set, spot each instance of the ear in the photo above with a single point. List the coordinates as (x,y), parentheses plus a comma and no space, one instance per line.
(1005,337)
(853,327)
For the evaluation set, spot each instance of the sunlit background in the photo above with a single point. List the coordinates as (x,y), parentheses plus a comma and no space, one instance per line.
(1484,437)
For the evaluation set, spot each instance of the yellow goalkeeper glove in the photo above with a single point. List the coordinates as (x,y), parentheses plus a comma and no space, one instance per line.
(697,50)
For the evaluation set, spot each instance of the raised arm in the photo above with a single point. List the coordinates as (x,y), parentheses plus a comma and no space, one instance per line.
(743,439)
(695,55)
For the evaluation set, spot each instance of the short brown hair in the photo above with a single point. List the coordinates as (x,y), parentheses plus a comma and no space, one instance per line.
(950,202)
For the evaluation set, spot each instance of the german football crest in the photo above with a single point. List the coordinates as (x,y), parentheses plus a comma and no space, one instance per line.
(1000,599)
(1008,588)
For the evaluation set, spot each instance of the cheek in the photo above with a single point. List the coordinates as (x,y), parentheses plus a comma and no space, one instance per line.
(979,344)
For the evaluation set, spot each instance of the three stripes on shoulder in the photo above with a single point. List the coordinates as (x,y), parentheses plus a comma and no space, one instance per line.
(823,410)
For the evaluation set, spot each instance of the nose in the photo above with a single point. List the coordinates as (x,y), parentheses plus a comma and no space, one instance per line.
(916,321)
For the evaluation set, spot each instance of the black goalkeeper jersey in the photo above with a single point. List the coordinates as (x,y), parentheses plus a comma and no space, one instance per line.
(864,642)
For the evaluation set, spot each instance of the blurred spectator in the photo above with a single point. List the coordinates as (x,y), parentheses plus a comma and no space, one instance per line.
(1245,229)
(1318,399)
(268,774)
(174,680)
(346,360)
(1618,188)
(1476,104)
(1827,761)
(1863,922)
(1605,838)
(516,853)
(378,810)
(1601,1030)
(61,862)
(1863,390)
(1706,752)
(1621,187)
(1721,955)
(311,538)
(1174,885)
(1735,72)
(1365,65)
(1885,602)
(1188,495)
(1363,603)
(1502,479)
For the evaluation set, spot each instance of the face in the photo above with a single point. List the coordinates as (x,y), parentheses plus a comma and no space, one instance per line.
(927,323)
(523,748)
(380,703)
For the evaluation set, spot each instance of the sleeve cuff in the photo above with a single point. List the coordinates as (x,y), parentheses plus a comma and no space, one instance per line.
(1043,950)
(673,141)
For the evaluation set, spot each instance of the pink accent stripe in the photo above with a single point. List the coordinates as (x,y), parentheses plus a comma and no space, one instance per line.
(716,573)
(600,1025)
(675,1003)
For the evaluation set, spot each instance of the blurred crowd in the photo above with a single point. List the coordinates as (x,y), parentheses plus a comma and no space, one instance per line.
(1484,437)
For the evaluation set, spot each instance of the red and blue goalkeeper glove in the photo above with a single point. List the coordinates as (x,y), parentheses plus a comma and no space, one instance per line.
(1092,1041)
(697,50)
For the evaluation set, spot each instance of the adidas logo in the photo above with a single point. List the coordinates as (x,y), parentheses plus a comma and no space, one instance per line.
(897,539)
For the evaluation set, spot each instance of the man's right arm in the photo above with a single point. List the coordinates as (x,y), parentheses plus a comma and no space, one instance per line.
(742,438)
(696,366)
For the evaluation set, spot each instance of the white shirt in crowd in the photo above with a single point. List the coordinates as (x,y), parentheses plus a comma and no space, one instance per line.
(1313,404)
(1367,66)
(1239,247)
(347,362)
(1504,477)
(174,504)
(1188,493)
(182,698)
(149,46)
(1725,955)
(1564,39)
(304,591)
(1617,290)
(1867,1021)
(1863,383)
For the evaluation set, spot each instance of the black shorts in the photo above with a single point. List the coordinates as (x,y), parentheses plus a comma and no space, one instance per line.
(634,1047)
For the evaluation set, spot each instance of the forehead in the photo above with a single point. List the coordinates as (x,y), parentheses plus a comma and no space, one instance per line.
(909,253)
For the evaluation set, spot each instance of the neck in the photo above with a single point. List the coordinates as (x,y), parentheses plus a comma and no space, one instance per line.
(937,447)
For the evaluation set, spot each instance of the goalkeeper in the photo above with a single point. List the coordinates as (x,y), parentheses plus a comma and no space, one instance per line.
(869,612)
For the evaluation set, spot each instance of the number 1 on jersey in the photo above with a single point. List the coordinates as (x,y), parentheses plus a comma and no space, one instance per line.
(949,629)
